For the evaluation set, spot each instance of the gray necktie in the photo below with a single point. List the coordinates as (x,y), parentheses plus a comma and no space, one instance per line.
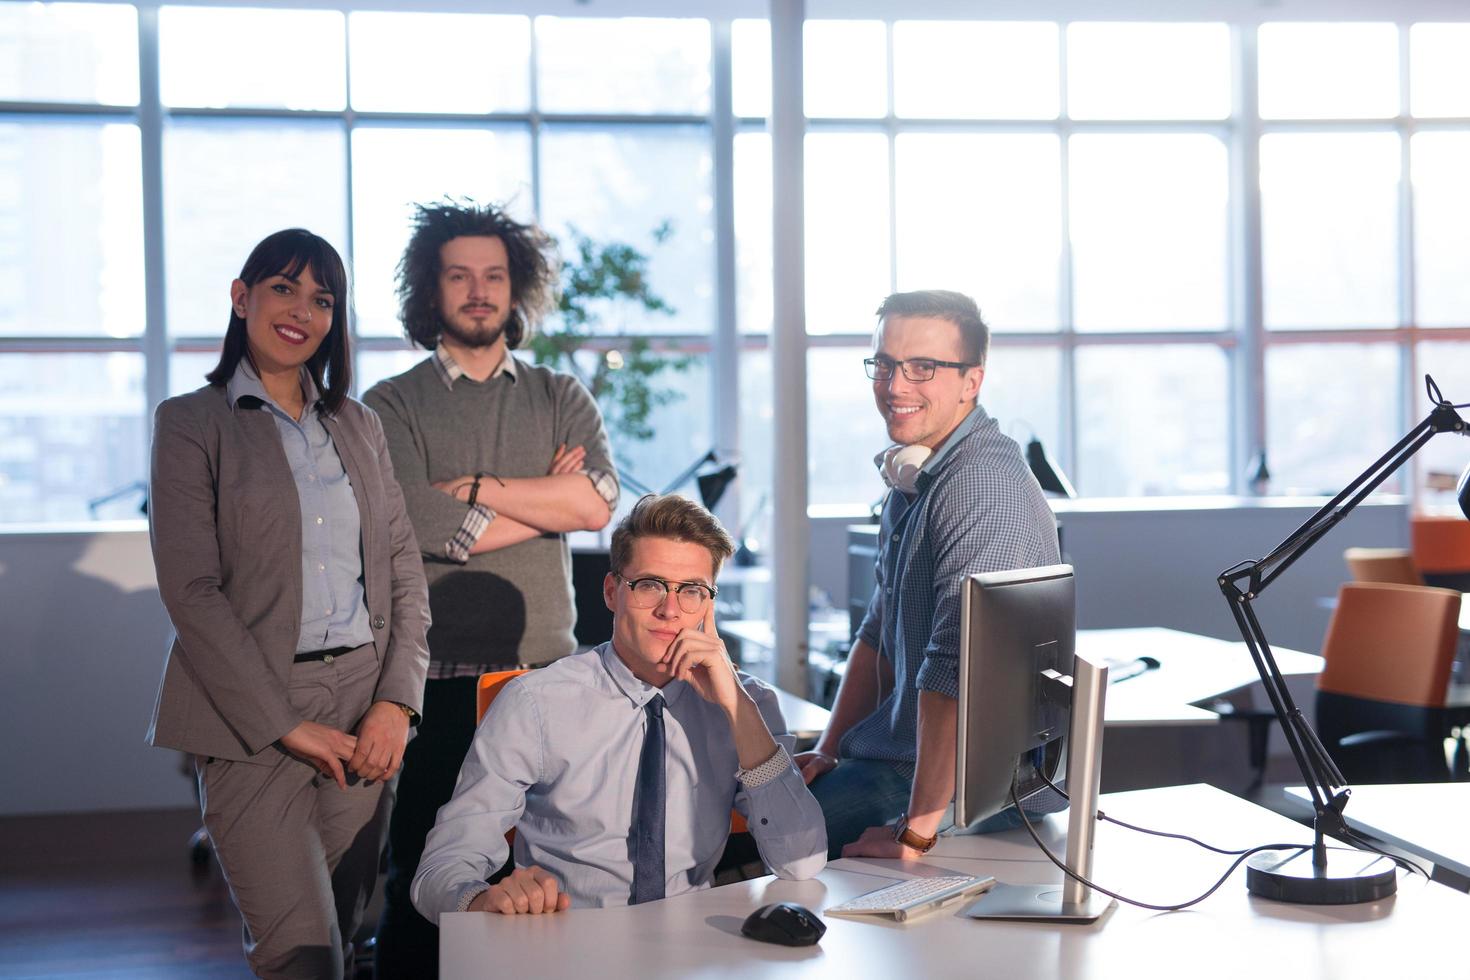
(648,809)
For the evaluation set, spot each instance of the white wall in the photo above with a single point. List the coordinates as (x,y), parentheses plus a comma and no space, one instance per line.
(82,644)
(83,635)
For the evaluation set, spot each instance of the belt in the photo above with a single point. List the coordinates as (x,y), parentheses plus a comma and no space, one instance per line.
(325,656)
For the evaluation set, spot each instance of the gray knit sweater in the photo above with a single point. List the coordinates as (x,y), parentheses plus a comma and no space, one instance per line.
(508,606)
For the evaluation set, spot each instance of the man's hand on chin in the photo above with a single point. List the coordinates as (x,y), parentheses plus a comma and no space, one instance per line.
(525,891)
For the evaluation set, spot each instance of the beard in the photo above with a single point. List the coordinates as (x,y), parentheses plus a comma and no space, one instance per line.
(468,332)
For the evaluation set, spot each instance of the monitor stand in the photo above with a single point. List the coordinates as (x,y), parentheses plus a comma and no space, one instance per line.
(1071,901)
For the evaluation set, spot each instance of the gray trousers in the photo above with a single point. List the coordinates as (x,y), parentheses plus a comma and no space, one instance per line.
(300,855)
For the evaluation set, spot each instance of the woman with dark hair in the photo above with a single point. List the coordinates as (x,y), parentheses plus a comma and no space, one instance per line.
(291,574)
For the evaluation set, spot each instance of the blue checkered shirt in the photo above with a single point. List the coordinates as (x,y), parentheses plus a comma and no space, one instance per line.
(977,509)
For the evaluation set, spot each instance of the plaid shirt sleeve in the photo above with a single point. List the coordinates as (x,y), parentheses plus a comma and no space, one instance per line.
(476,520)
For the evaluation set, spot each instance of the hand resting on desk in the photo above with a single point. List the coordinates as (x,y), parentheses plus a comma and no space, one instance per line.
(878,842)
(525,891)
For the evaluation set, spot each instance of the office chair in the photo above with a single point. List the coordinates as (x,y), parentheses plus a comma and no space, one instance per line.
(1381,695)
(1395,565)
(1441,549)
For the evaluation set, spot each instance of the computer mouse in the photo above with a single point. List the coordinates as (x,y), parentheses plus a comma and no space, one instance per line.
(784,923)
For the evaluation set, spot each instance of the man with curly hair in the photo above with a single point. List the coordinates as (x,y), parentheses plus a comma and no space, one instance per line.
(498,459)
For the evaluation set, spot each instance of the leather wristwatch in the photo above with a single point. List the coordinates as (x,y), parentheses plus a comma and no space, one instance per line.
(910,838)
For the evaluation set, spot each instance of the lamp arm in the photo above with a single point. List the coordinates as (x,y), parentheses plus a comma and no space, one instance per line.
(1241,584)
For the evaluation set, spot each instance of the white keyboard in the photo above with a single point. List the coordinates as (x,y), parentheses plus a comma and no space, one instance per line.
(914,896)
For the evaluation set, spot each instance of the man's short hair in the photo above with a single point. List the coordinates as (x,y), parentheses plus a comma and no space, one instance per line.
(670,516)
(530,254)
(944,304)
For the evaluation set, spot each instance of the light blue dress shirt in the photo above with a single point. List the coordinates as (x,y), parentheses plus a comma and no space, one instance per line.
(556,757)
(333,605)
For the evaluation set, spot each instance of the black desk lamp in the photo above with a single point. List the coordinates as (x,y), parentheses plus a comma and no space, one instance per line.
(712,485)
(1323,876)
(1046,471)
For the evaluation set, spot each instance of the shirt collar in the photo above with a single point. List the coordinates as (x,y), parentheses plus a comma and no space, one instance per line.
(450,371)
(973,418)
(635,690)
(245,383)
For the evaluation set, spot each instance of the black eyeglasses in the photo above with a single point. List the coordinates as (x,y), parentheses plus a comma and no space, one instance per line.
(916,369)
(649,592)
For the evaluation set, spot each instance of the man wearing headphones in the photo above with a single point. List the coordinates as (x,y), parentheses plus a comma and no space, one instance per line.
(961,500)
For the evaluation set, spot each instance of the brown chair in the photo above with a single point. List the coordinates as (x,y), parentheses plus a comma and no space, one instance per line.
(1395,565)
(1441,549)
(1381,695)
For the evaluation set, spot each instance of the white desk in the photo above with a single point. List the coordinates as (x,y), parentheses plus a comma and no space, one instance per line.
(803,719)
(1230,934)
(1427,819)
(1192,668)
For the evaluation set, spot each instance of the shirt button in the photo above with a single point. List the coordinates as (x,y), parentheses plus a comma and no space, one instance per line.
(329,610)
(320,567)
(318,520)
(378,622)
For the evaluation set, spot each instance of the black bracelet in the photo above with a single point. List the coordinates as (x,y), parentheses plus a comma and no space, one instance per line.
(475,489)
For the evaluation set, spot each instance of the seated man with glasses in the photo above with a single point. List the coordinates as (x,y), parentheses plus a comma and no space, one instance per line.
(961,500)
(619,767)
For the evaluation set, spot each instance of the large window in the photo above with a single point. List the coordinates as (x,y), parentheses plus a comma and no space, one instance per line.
(1192,240)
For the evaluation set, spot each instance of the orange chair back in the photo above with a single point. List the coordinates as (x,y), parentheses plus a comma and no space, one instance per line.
(1440,543)
(492,684)
(1394,565)
(1391,643)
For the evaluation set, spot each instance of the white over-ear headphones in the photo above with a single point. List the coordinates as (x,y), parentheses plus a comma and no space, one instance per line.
(900,466)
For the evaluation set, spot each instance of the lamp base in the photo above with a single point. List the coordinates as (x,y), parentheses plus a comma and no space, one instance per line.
(1349,876)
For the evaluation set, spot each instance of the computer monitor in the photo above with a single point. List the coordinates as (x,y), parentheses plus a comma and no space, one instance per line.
(1027,700)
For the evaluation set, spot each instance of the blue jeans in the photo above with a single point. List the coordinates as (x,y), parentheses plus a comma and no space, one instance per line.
(863,793)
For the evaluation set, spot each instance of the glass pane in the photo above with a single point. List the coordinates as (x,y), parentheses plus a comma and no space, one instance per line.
(69,52)
(436,62)
(1150,233)
(277,59)
(1152,420)
(847,246)
(982,215)
(186,370)
(844,429)
(1329,71)
(1021,391)
(1323,427)
(1439,71)
(375,365)
(627,64)
(621,184)
(394,168)
(1442,460)
(681,427)
(1329,229)
(750,67)
(1441,228)
(212,218)
(71,230)
(71,431)
(753,235)
(757,435)
(846,68)
(1148,71)
(967,70)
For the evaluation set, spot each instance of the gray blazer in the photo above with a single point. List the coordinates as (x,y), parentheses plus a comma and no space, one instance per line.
(225,523)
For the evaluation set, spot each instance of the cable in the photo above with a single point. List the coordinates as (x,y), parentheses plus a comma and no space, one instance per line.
(1353,837)
(1145,830)
(1030,829)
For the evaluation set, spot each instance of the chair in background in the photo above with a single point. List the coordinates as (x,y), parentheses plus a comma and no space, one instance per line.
(1381,695)
(1441,549)
(1395,565)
